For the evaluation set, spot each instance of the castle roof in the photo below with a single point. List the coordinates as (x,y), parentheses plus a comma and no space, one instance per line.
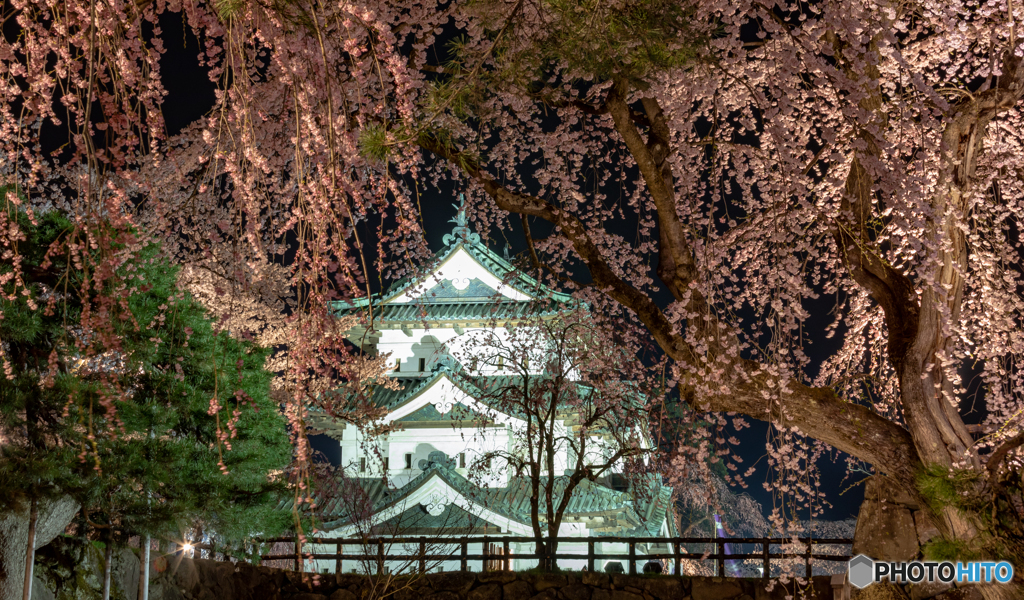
(614,512)
(466,281)
(402,406)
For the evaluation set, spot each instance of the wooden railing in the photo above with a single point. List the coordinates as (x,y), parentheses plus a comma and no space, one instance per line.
(502,557)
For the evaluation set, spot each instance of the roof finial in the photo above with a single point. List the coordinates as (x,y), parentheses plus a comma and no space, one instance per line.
(461,232)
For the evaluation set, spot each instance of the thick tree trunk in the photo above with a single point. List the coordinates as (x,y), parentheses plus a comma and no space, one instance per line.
(30,549)
(918,304)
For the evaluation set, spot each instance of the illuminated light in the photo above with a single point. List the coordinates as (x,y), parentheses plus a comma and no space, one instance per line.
(187,547)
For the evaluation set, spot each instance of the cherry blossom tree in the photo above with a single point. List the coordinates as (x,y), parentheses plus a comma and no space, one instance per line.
(776,166)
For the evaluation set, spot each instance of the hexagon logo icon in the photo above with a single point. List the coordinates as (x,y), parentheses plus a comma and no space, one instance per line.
(860,571)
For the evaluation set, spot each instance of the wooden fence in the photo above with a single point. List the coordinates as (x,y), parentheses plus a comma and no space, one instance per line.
(496,554)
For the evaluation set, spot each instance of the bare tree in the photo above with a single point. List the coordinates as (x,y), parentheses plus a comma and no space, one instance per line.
(575,411)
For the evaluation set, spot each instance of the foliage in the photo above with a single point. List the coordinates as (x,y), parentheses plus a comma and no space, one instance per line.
(635,39)
(836,170)
(995,508)
(195,434)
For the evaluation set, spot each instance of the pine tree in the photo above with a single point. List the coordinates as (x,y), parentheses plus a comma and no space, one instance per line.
(170,426)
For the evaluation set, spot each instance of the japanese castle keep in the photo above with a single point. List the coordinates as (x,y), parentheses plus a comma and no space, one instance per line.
(419,480)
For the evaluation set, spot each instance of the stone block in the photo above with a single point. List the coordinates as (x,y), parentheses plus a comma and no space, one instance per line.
(266,585)
(460,583)
(517,590)
(165,590)
(601,594)
(308,596)
(543,582)
(222,583)
(716,588)
(665,588)
(885,526)
(443,595)
(39,590)
(577,591)
(204,594)
(124,573)
(297,582)
(343,594)
(548,594)
(488,591)
(183,574)
(595,579)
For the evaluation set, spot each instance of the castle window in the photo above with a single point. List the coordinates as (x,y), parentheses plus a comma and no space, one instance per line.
(398,365)
(500,363)
(526,364)
(387,463)
(408,461)
(423,364)
(362,464)
(462,460)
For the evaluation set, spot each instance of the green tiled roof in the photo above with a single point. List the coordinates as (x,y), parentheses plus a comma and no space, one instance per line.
(589,499)
(409,387)
(547,302)
(496,265)
(456,311)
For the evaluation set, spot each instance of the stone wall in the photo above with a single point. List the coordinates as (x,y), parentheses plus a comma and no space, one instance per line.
(893,526)
(210,580)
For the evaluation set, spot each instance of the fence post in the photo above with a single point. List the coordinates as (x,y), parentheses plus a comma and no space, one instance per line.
(297,563)
(632,557)
(506,561)
(590,555)
(767,561)
(338,553)
(462,556)
(380,556)
(486,547)
(807,558)
(720,552)
(423,556)
(678,559)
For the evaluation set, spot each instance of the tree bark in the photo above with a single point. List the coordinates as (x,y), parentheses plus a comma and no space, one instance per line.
(916,305)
